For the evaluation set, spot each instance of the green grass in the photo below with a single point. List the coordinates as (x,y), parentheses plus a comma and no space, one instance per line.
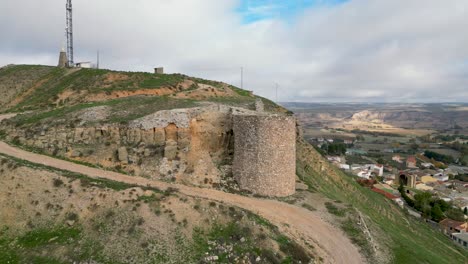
(415,242)
(309,207)
(239,236)
(207,82)
(241,92)
(135,107)
(56,113)
(357,236)
(50,246)
(122,110)
(44,95)
(260,220)
(90,81)
(161,80)
(40,237)
(149,199)
(333,209)
(26,248)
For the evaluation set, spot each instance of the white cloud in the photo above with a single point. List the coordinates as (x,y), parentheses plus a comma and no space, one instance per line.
(360,50)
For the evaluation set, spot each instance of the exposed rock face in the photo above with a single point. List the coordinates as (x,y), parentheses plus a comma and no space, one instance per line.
(265,154)
(259,106)
(123,155)
(194,146)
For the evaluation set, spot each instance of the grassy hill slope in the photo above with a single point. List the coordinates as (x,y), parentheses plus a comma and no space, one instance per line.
(410,240)
(34,87)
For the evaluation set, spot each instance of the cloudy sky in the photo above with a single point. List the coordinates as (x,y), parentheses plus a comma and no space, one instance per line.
(316,50)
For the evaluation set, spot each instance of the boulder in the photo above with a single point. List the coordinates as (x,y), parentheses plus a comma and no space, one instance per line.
(170,151)
(147,152)
(159,136)
(301,186)
(123,155)
(75,154)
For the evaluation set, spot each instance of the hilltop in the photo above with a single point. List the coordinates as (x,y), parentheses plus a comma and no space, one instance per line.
(36,87)
(176,130)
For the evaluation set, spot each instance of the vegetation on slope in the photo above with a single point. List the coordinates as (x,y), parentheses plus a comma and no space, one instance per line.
(15,81)
(120,110)
(61,217)
(410,240)
(45,88)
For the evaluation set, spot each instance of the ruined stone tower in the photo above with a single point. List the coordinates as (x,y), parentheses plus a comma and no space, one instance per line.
(63,61)
(265,153)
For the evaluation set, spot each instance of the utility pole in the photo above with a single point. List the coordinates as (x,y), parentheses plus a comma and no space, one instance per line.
(69,30)
(276,92)
(97,63)
(242,77)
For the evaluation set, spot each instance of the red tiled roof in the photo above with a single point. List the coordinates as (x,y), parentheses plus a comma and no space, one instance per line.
(450,223)
(386,194)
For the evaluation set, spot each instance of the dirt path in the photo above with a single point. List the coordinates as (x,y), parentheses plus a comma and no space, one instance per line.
(329,242)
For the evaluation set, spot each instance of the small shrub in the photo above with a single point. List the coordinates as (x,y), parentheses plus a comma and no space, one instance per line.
(57,182)
(309,207)
(72,216)
(332,209)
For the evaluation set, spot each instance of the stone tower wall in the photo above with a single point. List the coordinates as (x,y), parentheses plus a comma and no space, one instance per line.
(265,154)
(63,59)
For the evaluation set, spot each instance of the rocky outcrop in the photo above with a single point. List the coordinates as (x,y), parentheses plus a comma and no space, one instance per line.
(194,146)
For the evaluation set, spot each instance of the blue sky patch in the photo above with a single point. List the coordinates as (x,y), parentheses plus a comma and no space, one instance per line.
(255,10)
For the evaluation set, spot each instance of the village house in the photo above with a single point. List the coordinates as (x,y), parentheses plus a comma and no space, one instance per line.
(366,174)
(334,159)
(460,238)
(367,171)
(411,162)
(449,226)
(461,202)
(397,158)
(441,177)
(426,165)
(344,166)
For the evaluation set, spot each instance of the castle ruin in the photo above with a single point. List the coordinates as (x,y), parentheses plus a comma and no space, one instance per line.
(265,153)
(203,146)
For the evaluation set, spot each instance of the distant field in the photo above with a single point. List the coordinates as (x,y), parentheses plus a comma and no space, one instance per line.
(403,139)
(327,133)
(383,128)
(404,119)
(446,151)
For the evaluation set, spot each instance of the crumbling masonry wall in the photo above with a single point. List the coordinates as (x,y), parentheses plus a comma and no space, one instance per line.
(265,154)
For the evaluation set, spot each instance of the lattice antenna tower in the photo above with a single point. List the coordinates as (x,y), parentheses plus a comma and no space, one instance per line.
(69,30)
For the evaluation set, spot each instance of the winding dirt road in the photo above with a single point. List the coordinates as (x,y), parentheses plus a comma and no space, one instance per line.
(329,242)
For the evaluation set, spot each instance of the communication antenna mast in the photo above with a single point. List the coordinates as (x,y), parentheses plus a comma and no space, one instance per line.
(69,30)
